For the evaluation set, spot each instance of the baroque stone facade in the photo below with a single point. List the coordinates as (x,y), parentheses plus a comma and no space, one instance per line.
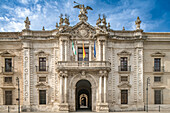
(114,80)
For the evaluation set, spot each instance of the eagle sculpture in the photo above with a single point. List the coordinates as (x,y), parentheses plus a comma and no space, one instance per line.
(83,10)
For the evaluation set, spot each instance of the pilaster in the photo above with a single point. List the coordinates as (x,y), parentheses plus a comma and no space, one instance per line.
(26,75)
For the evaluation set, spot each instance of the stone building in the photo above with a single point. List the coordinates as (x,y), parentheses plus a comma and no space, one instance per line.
(114,75)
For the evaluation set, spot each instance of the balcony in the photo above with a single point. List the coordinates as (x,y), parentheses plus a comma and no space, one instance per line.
(43,69)
(8,71)
(83,65)
(124,69)
(158,70)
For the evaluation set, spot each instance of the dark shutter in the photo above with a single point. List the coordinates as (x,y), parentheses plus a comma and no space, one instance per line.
(157,96)
(8,97)
(42,96)
(124,96)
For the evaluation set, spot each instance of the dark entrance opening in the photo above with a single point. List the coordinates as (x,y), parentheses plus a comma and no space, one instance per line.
(83,95)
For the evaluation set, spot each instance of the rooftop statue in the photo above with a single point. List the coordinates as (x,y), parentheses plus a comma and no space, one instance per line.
(83,10)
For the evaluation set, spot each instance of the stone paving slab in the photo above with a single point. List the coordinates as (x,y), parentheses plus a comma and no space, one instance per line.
(96,112)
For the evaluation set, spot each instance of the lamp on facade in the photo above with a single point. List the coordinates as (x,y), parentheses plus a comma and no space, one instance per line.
(18,99)
(148,83)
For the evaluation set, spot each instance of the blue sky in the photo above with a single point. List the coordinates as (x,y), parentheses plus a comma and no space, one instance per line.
(154,14)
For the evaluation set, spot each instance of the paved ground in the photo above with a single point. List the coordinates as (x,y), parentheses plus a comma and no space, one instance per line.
(96,112)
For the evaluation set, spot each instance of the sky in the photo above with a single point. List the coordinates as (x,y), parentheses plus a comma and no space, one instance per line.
(154,14)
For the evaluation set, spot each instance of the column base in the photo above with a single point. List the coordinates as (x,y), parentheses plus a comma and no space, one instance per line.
(102,107)
(64,107)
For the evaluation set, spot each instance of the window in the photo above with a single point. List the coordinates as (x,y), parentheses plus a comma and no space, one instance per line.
(157,64)
(157,96)
(8,79)
(42,64)
(8,64)
(123,64)
(42,79)
(80,54)
(157,79)
(42,96)
(8,97)
(124,78)
(124,96)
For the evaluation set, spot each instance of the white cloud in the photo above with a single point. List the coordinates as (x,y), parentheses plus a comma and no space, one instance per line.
(2,18)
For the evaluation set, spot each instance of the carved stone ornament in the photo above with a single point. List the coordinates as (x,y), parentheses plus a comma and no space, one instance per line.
(42,85)
(124,85)
(158,54)
(41,53)
(124,53)
(6,54)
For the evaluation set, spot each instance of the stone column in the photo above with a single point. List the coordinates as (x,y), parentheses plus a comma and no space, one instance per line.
(65,89)
(104,88)
(100,89)
(65,50)
(104,54)
(61,88)
(61,50)
(99,43)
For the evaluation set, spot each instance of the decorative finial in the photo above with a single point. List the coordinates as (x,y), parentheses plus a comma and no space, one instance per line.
(138,22)
(98,21)
(61,20)
(56,25)
(104,20)
(123,28)
(83,11)
(43,28)
(66,20)
(108,25)
(27,23)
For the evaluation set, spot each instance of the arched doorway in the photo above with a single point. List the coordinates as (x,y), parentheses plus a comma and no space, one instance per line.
(83,95)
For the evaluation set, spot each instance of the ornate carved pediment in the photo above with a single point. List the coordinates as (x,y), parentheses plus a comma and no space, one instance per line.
(124,53)
(83,30)
(7,54)
(124,85)
(42,85)
(158,54)
(41,53)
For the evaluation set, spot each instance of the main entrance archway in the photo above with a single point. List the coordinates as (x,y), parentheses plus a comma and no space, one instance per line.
(83,95)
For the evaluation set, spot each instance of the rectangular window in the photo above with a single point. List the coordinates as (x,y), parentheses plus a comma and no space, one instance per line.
(8,79)
(124,96)
(42,64)
(42,79)
(123,64)
(157,96)
(157,64)
(8,64)
(80,54)
(157,79)
(8,97)
(124,78)
(42,96)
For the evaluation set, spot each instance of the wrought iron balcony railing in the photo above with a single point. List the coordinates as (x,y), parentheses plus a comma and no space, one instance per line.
(124,68)
(42,68)
(83,64)
(158,69)
(9,70)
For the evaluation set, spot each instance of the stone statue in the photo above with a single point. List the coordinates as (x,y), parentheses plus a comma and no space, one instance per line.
(83,10)
(27,23)
(138,22)
(104,20)
(66,20)
(61,20)
(98,21)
